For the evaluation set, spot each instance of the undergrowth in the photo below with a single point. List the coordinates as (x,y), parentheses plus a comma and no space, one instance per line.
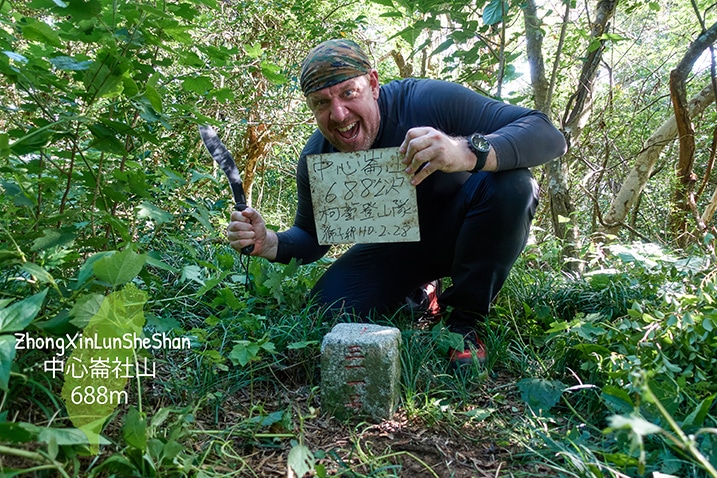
(608,374)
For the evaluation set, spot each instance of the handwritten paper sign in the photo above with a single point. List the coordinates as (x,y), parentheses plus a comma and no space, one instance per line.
(362,197)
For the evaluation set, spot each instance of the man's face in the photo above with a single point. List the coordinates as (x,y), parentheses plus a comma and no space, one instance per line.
(347,113)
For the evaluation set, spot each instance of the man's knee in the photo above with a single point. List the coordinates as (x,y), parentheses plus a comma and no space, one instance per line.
(507,193)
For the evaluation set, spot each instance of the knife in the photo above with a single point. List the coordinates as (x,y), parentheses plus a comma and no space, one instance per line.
(224,159)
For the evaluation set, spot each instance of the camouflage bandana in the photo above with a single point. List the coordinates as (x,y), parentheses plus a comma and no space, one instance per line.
(332,62)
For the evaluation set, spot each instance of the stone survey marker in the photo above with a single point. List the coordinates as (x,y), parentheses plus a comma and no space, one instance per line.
(360,371)
(362,197)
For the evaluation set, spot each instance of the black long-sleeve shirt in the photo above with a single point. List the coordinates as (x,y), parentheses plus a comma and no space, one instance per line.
(521,138)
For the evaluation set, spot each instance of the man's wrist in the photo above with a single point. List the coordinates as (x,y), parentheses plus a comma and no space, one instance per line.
(480,147)
(271,245)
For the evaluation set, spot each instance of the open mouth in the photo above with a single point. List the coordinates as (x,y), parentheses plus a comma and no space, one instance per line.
(350,131)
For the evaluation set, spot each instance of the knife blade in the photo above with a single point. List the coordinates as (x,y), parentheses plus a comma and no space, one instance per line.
(224,159)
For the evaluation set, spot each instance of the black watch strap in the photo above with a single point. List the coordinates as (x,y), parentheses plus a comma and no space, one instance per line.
(479,146)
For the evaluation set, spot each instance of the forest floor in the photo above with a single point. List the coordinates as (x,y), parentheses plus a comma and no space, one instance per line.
(482,446)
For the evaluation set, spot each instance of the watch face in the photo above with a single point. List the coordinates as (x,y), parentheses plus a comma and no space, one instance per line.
(480,143)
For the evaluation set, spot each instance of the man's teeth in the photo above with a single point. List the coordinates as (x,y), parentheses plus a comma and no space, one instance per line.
(347,128)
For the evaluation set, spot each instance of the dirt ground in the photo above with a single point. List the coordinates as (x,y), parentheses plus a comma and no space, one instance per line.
(404,447)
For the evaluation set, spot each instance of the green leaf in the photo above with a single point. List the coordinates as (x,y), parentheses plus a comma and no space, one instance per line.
(83,9)
(443,47)
(170,450)
(588,331)
(134,429)
(591,350)
(87,269)
(150,93)
(244,352)
(210,3)
(68,63)
(154,259)
(7,355)
(302,344)
(594,45)
(698,415)
(42,4)
(212,283)
(480,414)
(19,197)
(199,85)
(192,272)
(85,308)
(222,95)
(66,436)
(38,272)
(4,145)
(35,30)
(8,258)
(301,460)
(119,268)
(106,140)
(147,210)
(273,418)
(563,219)
(52,238)
(91,399)
(494,12)
(183,10)
(155,12)
(101,81)
(20,314)
(15,432)
(638,425)
(254,51)
(15,56)
(541,394)
(614,37)
(617,399)
(273,73)
(410,34)
(274,282)
(163,324)
(34,140)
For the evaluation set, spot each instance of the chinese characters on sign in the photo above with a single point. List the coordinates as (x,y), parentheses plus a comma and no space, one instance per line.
(362,197)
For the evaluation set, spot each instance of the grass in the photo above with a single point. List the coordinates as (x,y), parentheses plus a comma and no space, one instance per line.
(564,358)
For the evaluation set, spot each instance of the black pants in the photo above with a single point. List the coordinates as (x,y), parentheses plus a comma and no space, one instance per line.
(474,238)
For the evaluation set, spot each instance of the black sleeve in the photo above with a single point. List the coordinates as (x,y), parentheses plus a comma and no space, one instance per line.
(521,137)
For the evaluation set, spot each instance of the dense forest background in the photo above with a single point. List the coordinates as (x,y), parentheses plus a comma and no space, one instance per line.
(112,213)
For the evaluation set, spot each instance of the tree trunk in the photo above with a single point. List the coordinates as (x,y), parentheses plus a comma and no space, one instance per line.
(534,49)
(684,199)
(560,203)
(577,112)
(637,178)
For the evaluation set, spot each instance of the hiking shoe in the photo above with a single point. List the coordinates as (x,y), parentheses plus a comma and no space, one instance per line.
(423,301)
(473,348)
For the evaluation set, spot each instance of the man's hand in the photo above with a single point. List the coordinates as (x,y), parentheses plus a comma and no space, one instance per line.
(427,150)
(247,227)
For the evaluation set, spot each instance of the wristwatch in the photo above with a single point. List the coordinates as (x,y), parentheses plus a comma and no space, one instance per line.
(480,146)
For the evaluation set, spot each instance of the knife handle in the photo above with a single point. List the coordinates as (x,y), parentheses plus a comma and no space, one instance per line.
(250,248)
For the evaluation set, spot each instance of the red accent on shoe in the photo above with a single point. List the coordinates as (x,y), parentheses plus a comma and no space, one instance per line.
(474,347)
(432,291)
